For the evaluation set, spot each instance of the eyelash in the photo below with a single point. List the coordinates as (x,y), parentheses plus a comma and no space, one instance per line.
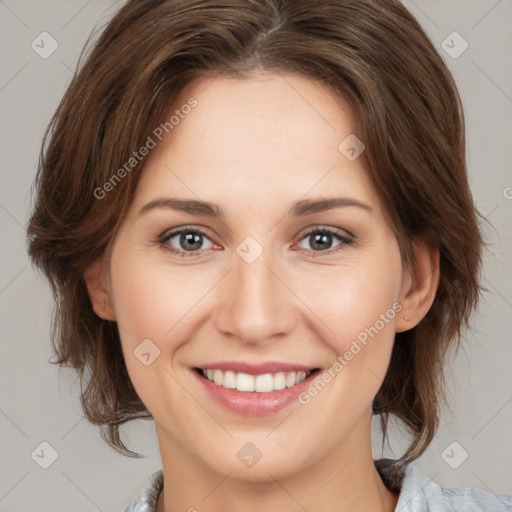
(164,239)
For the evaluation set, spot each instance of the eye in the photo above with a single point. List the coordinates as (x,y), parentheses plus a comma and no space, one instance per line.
(320,240)
(185,240)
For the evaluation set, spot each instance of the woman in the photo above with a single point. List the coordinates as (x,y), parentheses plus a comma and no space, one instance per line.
(256,220)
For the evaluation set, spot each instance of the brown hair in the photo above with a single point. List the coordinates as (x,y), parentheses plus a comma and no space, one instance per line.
(409,115)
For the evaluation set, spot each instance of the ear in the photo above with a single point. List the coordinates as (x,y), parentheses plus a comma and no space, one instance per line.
(96,280)
(419,285)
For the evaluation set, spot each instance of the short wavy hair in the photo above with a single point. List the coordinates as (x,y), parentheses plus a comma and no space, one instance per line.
(374,54)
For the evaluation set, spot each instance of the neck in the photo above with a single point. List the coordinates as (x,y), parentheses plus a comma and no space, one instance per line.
(346,480)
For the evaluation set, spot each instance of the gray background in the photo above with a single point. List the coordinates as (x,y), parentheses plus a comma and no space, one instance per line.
(38,403)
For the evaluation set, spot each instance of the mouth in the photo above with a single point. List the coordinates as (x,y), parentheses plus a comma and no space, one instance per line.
(258,390)
(259,383)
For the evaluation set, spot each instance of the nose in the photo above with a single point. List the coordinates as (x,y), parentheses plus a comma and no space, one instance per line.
(256,304)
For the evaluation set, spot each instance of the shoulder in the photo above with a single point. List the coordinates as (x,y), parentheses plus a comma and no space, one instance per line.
(419,493)
(147,496)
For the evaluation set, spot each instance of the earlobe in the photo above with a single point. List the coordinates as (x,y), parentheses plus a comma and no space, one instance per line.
(419,286)
(97,286)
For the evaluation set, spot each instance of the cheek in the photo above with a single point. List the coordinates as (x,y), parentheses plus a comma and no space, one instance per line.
(352,298)
(356,305)
(153,300)
(356,308)
(148,301)
(153,303)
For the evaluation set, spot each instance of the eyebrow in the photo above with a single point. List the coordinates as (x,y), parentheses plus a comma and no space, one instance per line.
(299,209)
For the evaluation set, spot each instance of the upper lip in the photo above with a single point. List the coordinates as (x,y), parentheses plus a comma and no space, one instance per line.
(257,368)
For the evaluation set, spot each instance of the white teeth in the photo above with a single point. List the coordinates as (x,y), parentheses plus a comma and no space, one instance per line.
(229,380)
(260,383)
(264,383)
(218,377)
(279,381)
(244,382)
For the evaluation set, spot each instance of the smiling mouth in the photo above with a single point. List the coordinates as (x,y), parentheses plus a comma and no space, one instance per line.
(264,383)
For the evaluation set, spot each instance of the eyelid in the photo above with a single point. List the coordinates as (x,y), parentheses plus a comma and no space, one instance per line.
(343,233)
(163,239)
(168,233)
(344,236)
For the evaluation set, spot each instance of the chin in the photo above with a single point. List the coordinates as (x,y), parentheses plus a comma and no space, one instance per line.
(263,471)
(259,460)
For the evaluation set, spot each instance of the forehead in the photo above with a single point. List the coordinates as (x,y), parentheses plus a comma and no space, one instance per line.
(248,138)
(278,109)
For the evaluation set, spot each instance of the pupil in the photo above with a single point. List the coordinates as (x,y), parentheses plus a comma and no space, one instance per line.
(193,239)
(321,240)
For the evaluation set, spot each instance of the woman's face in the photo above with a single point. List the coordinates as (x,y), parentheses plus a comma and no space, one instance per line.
(266,280)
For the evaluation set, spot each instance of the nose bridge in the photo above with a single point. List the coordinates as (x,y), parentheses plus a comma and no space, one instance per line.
(254,305)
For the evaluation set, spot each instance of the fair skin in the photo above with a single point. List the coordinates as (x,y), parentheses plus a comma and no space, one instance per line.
(254,147)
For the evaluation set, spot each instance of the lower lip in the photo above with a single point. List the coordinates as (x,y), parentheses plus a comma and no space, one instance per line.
(254,403)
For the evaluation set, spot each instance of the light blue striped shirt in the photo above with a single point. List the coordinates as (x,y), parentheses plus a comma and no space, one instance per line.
(417,493)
